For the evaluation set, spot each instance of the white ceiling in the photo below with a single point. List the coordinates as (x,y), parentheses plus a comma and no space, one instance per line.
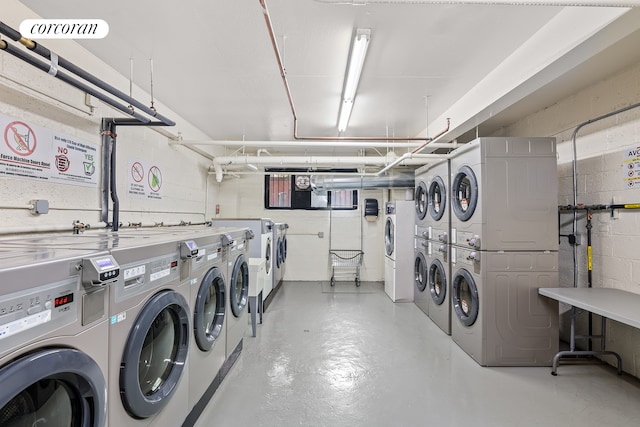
(215,66)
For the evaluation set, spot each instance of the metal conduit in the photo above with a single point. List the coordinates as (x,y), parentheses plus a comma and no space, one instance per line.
(62,62)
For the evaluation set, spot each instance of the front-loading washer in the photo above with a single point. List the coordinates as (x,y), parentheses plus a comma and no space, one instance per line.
(261,247)
(439,211)
(498,318)
(279,254)
(398,238)
(149,334)
(421,199)
(421,294)
(53,336)
(504,194)
(439,284)
(237,257)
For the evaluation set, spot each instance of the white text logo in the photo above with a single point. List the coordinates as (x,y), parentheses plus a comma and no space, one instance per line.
(64,28)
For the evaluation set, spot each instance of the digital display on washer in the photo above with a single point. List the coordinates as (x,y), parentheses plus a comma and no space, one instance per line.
(63,300)
(105,263)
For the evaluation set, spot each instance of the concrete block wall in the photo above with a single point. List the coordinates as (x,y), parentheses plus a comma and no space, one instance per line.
(600,153)
(29,95)
(308,253)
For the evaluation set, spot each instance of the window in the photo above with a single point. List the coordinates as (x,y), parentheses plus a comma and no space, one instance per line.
(292,189)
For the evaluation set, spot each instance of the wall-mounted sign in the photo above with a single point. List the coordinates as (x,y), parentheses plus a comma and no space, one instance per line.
(145,180)
(33,152)
(631,167)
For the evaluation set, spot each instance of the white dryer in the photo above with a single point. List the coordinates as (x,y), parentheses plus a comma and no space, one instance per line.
(150,328)
(53,336)
(439,284)
(421,294)
(237,258)
(498,317)
(399,250)
(504,194)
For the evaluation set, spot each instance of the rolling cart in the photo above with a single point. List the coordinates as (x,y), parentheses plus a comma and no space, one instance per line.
(345,264)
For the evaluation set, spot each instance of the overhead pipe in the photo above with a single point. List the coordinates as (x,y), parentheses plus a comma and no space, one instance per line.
(283,74)
(62,62)
(399,180)
(328,144)
(70,80)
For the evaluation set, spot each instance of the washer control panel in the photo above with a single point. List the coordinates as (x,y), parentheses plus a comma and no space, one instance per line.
(99,271)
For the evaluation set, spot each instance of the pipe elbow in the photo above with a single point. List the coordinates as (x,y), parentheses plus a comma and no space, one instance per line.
(218,169)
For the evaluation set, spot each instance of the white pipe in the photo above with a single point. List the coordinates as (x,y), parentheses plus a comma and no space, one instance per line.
(415,159)
(407,159)
(312,144)
(591,3)
(218,169)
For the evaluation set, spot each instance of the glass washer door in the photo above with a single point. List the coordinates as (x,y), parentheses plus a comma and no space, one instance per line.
(437,198)
(267,256)
(437,282)
(421,200)
(464,193)
(209,310)
(239,286)
(466,302)
(420,272)
(57,387)
(155,354)
(389,235)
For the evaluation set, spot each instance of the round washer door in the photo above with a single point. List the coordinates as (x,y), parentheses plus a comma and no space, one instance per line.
(421,200)
(464,193)
(389,236)
(267,256)
(279,252)
(437,282)
(155,354)
(58,387)
(420,272)
(209,310)
(466,302)
(437,198)
(284,248)
(239,286)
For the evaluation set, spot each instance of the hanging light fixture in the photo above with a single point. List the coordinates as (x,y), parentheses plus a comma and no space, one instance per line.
(354,69)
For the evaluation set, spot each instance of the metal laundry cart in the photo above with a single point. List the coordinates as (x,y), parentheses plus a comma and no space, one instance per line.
(345,264)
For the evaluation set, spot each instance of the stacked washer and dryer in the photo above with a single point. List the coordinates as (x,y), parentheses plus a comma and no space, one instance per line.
(432,237)
(398,229)
(504,243)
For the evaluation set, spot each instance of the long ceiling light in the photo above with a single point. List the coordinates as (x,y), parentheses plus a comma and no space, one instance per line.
(356,61)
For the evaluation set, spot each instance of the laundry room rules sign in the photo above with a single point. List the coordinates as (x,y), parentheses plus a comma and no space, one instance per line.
(33,152)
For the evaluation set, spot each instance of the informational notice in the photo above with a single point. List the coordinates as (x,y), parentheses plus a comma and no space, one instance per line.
(145,180)
(33,152)
(631,167)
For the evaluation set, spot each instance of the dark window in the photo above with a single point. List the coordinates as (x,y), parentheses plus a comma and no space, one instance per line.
(292,189)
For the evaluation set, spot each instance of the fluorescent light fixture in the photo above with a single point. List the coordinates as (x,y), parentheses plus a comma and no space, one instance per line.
(252,167)
(356,61)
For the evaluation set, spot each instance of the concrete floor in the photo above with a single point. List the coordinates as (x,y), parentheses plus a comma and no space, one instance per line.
(348,356)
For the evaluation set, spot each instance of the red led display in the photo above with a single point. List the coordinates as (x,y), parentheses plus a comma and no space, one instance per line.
(60,301)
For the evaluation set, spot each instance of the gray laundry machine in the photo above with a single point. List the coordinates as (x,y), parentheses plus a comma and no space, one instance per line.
(421,199)
(498,317)
(504,194)
(54,336)
(237,257)
(149,334)
(439,212)
(421,294)
(439,284)
(261,246)
(279,252)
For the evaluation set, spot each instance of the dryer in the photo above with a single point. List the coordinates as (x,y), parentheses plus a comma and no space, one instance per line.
(421,199)
(519,209)
(53,336)
(421,294)
(237,258)
(150,324)
(439,284)
(498,317)
(261,247)
(439,212)
(398,238)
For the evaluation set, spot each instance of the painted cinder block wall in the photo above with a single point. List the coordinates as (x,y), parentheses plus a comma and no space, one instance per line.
(600,151)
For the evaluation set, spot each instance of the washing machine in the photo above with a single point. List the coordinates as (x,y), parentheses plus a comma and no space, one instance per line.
(53,336)
(498,318)
(237,258)
(421,294)
(279,252)
(149,332)
(203,259)
(261,247)
(399,253)
(421,199)
(504,194)
(439,284)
